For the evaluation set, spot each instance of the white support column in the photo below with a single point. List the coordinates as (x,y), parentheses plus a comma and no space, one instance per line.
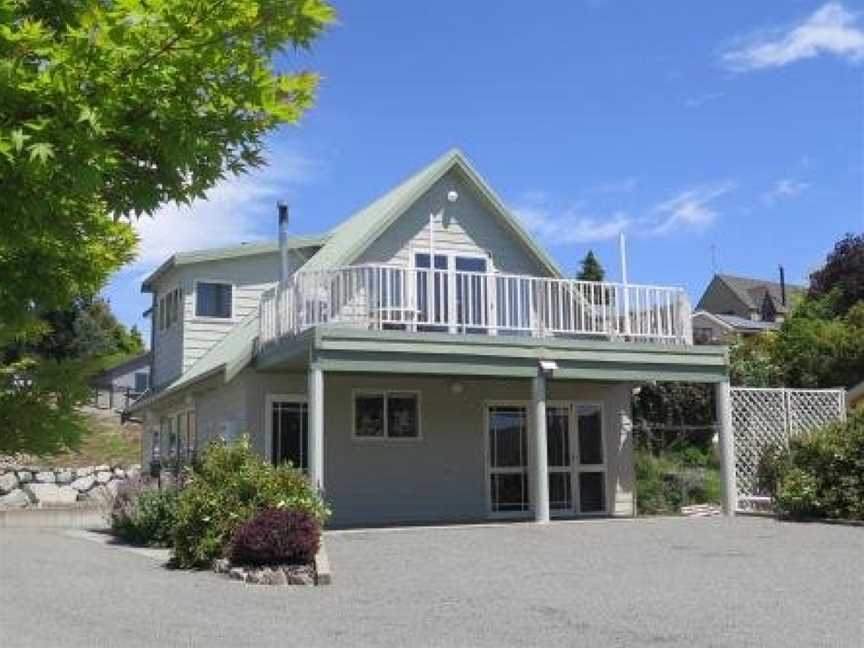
(539,455)
(316,427)
(725,434)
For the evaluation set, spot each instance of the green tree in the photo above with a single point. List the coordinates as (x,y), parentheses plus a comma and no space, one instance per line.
(843,272)
(754,361)
(44,380)
(108,109)
(590,269)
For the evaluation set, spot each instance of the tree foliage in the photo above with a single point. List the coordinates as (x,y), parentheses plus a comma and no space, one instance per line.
(45,379)
(590,269)
(110,108)
(843,272)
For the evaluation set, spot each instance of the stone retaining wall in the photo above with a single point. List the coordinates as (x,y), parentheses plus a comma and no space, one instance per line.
(37,486)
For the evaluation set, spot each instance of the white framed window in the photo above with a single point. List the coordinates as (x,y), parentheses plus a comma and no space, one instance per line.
(386,414)
(214,300)
(168,308)
(591,458)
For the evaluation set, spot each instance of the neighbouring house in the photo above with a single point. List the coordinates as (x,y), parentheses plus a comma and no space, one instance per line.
(855,396)
(734,307)
(425,360)
(118,386)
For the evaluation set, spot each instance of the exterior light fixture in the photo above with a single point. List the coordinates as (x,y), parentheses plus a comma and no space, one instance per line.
(452,196)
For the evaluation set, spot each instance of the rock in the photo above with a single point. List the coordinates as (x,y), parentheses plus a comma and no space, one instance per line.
(119,473)
(8,483)
(98,495)
(25,476)
(133,472)
(84,472)
(51,494)
(114,485)
(275,577)
(103,476)
(299,574)
(64,476)
(46,477)
(255,577)
(102,468)
(237,573)
(14,499)
(221,565)
(83,484)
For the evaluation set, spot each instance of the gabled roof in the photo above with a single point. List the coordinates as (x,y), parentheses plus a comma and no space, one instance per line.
(340,247)
(130,364)
(752,291)
(234,251)
(351,238)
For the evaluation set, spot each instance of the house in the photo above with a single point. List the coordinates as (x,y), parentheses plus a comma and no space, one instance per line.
(426,360)
(734,307)
(120,385)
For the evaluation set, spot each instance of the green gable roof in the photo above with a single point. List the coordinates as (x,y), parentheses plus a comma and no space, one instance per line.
(232,252)
(351,238)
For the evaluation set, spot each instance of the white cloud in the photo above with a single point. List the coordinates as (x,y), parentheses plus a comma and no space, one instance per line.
(238,209)
(783,189)
(689,209)
(570,225)
(831,29)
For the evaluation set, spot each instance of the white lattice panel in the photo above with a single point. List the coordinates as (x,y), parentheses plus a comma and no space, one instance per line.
(765,418)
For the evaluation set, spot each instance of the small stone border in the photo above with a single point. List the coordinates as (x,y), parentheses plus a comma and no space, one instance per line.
(317,573)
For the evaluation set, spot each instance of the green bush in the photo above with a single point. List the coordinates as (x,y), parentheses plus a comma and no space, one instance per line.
(143,515)
(667,482)
(822,473)
(230,485)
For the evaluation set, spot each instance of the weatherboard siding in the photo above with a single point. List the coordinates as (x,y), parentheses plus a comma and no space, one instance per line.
(467,227)
(168,343)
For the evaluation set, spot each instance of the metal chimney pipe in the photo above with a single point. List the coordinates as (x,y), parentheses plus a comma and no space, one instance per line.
(283,241)
(782,286)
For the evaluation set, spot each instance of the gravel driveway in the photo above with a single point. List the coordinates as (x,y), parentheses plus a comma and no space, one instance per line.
(675,582)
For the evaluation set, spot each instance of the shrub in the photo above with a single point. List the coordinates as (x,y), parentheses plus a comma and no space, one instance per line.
(142,514)
(276,537)
(667,482)
(230,485)
(822,474)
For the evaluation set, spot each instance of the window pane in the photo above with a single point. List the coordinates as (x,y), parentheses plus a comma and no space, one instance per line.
(470,264)
(509,491)
(590,434)
(557,436)
(507,437)
(290,422)
(369,415)
(560,497)
(213,300)
(141,378)
(402,416)
(591,492)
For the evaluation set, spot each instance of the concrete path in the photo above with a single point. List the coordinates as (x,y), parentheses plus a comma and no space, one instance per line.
(671,582)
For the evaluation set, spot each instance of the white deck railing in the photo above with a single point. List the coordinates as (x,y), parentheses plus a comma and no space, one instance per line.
(416,299)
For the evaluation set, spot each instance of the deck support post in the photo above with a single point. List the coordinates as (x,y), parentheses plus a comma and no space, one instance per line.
(540,485)
(316,427)
(726,438)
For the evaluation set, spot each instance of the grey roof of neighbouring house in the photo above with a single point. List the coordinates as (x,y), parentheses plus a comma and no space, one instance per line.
(744,324)
(752,291)
(231,252)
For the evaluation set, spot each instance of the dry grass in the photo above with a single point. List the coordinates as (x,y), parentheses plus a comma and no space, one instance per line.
(107,442)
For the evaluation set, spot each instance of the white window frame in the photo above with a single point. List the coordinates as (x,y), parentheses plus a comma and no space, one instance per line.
(451,255)
(269,400)
(578,467)
(385,438)
(487,459)
(210,318)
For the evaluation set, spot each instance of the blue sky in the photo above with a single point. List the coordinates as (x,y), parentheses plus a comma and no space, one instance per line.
(736,127)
